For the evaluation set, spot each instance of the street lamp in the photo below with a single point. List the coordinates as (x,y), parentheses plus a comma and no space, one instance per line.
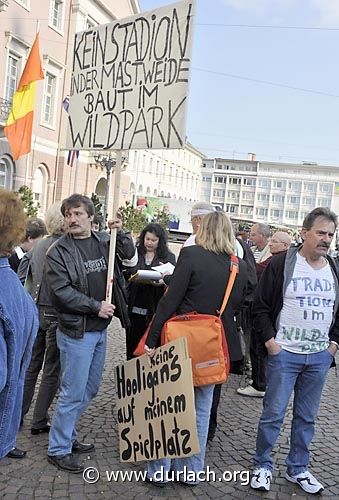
(109,163)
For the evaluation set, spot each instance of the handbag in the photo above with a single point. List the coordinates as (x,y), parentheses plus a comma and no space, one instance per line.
(206,339)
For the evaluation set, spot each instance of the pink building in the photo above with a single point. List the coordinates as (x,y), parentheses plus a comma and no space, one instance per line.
(45,169)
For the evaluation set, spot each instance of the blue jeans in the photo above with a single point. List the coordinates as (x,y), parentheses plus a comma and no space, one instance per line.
(82,363)
(306,375)
(203,397)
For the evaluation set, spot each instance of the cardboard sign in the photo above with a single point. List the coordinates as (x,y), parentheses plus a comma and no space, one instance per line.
(129,82)
(155,405)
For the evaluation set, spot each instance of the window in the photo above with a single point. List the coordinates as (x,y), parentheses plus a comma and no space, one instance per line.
(276,213)
(234,195)
(291,214)
(3,176)
(307,200)
(206,179)
(293,199)
(324,202)
(278,184)
(219,193)
(249,181)
(263,197)
(39,188)
(235,180)
(278,198)
(12,79)
(220,179)
(325,188)
(56,14)
(219,166)
(310,186)
(247,195)
(264,183)
(261,212)
(49,99)
(247,209)
(231,209)
(294,186)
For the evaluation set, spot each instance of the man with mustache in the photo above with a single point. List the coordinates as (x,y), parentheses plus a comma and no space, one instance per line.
(296,318)
(76,270)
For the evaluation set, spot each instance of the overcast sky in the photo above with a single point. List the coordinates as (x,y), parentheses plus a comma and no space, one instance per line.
(265,79)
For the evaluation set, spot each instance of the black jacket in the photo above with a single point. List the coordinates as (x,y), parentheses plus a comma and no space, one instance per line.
(198,284)
(67,280)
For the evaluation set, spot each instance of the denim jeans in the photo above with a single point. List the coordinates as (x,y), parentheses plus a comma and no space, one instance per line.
(82,363)
(202,401)
(45,353)
(306,375)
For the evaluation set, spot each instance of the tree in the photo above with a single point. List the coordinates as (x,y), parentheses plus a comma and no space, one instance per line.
(133,219)
(161,216)
(27,198)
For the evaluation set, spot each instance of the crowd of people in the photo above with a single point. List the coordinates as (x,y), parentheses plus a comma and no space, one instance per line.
(54,315)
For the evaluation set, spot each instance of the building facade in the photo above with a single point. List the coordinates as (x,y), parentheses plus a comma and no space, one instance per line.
(277,193)
(173,173)
(45,169)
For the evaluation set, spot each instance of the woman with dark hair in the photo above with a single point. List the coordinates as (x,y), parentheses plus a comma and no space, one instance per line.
(143,298)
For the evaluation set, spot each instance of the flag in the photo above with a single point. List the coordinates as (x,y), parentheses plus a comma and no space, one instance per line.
(72,153)
(18,129)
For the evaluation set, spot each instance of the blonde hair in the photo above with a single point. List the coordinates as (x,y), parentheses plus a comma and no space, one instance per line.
(12,221)
(216,233)
(54,219)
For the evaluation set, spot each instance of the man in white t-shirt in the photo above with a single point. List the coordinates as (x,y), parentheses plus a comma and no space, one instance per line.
(296,317)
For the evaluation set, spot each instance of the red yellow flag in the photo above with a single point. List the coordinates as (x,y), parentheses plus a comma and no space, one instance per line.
(18,129)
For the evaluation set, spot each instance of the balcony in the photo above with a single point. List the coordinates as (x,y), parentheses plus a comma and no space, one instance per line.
(5,108)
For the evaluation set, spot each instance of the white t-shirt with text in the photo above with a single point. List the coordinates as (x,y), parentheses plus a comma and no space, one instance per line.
(306,316)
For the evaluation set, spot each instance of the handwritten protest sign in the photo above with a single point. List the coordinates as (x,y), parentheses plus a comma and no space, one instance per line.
(129,82)
(156,405)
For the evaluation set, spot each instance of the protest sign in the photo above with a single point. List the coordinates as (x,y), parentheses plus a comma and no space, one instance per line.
(155,405)
(129,82)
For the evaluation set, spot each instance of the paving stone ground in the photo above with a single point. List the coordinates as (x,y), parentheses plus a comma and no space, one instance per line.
(231,450)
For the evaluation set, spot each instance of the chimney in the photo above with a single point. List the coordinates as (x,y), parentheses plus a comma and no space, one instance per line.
(251,156)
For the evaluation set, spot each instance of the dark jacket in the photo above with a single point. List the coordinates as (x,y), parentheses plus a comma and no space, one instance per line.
(32,268)
(198,284)
(269,296)
(67,280)
(18,329)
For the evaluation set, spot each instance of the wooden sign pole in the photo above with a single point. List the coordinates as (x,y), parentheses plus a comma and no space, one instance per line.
(112,247)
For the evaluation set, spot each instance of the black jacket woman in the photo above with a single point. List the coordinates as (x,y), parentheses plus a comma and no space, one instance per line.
(198,284)
(143,298)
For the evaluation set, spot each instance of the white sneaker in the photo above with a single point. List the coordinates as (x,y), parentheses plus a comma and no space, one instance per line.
(261,479)
(250,391)
(306,481)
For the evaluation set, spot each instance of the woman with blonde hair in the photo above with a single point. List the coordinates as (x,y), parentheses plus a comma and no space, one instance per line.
(198,284)
(18,325)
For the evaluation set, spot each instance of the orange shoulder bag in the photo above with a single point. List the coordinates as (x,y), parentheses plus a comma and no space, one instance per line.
(206,338)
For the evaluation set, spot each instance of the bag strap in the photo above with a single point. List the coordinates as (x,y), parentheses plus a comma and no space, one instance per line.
(234,268)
